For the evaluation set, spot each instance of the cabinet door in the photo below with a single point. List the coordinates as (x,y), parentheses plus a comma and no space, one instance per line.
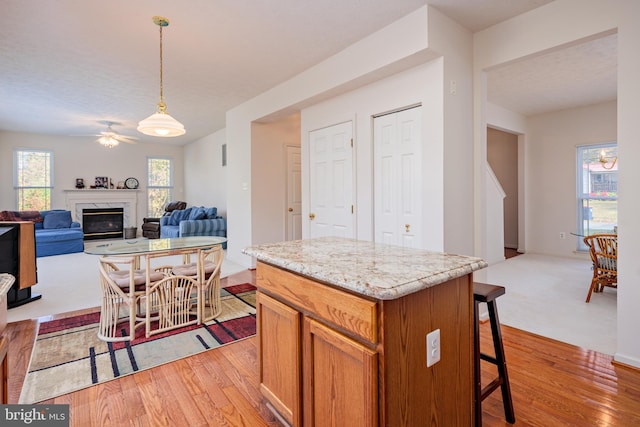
(340,379)
(280,357)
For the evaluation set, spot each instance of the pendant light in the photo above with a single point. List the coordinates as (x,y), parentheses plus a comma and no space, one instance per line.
(161,123)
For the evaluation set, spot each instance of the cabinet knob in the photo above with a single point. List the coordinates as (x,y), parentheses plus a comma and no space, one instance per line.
(312,216)
(290,209)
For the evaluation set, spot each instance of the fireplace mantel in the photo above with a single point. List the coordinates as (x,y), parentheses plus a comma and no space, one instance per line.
(79,199)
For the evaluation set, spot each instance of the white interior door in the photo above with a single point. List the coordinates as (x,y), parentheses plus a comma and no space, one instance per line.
(331,192)
(398,178)
(294,194)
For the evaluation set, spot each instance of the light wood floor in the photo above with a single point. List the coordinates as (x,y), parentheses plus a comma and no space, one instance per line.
(553,384)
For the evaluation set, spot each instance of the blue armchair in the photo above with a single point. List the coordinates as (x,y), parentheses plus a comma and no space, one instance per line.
(193,221)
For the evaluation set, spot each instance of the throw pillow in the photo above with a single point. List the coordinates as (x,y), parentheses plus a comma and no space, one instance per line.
(179,215)
(210,213)
(172,206)
(197,213)
(60,219)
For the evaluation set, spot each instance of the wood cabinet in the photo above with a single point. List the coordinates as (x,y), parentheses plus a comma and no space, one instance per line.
(340,378)
(18,257)
(332,357)
(6,281)
(280,356)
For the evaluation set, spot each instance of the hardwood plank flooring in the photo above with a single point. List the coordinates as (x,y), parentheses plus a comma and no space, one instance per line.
(552,384)
(510,253)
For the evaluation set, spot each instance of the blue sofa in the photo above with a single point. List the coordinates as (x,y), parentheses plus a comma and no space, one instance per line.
(56,233)
(193,221)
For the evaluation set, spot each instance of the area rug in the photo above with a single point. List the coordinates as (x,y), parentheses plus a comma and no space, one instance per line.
(68,356)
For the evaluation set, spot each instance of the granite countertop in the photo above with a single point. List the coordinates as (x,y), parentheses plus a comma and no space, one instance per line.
(373,269)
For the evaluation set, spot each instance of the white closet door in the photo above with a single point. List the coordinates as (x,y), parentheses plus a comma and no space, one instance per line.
(398,178)
(331,180)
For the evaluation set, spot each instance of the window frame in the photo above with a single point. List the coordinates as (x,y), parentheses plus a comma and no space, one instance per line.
(151,187)
(582,189)
(18,156)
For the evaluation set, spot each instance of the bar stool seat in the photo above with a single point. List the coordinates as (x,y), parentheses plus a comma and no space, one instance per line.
(486,293)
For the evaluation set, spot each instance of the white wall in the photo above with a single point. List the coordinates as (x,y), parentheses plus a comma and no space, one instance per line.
(628,177)
(399,46)
(551,165)
(80,157)
(455,44)
(495,221)
(419,85)
(506,120)
(269,171)
(205,179)
(546,28)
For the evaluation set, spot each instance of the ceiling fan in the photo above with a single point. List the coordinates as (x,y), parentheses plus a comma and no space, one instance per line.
(111,138)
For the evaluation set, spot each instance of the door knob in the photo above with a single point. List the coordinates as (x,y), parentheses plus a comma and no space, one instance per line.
(312,216)
(290,209)
(407,227)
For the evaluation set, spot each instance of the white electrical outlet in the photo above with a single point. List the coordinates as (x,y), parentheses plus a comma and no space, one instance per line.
(563,235)
(433,347)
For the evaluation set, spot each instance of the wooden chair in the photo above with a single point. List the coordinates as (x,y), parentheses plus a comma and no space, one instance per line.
(172,302)
(603,250)
(211,263)
(123,287)
(208,276)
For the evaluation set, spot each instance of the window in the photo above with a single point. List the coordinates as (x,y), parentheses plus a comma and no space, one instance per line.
(597,190)
(159,185)
(32,179)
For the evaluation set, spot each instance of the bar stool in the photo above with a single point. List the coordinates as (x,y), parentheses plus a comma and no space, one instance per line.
(483,292)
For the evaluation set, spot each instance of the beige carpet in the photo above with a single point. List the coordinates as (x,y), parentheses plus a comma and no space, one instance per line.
(546,295)
(71,282)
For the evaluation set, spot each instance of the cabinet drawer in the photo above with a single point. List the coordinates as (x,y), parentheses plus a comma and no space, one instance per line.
(340,309)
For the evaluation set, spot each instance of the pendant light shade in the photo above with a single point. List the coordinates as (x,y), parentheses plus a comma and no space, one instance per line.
(161,123)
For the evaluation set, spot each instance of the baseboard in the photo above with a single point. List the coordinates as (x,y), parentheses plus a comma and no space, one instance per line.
(626,362)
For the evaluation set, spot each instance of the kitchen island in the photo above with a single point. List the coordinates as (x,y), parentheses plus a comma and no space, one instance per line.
(342,329)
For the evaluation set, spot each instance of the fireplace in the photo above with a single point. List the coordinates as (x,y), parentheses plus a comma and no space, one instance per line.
(79,200)
(103,223)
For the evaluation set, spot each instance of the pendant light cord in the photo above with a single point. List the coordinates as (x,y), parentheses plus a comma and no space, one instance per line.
(161,95)
(161,105)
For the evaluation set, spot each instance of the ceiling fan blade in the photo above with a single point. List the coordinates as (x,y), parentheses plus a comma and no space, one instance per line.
(105,135)
(125,138)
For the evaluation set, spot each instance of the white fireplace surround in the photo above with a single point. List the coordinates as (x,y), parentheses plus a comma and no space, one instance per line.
(77,200)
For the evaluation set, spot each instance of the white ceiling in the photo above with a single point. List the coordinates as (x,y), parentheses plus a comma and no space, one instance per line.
(67,65)
(572,76)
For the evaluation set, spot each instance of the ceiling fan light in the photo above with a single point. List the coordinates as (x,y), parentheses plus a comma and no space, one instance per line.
(161,124)
(108,141)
